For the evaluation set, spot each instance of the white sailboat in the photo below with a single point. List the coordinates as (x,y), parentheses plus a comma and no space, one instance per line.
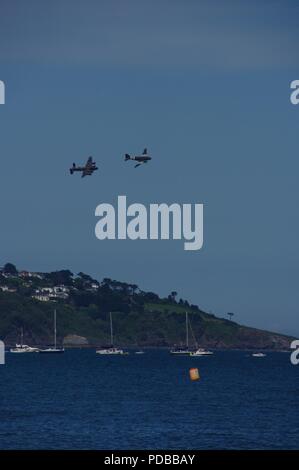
(185,351)
(111,350)
(54,350)
(23,348)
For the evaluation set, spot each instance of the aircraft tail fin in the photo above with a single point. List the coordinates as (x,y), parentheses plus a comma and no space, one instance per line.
(127,157)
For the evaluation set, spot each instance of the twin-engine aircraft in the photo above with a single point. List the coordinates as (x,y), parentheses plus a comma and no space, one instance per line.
(140,159)
(87,170)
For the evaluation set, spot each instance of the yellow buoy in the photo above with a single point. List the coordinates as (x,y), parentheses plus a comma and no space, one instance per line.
(194,374)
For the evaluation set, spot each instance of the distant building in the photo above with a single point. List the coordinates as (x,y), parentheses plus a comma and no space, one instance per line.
(7,289)
(94,286)
(8,275)
(53,293)
(28,274)
(41,297)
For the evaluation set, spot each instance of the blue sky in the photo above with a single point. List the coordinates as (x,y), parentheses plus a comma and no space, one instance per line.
(205,86)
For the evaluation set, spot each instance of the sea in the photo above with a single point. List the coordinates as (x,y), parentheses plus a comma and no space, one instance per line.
(81,400)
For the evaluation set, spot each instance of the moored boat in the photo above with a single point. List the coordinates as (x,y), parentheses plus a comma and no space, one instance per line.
(183,350)
(54,350)
(111,350)
(259,354)
(23,348)
(201,352)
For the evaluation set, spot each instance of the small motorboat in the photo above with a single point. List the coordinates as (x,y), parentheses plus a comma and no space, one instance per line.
(201,352)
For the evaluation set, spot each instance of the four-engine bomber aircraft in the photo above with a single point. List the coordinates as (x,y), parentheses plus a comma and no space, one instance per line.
(87,170)
(144,158)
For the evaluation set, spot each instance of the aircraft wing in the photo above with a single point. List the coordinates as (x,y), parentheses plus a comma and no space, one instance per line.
(88,163)
(87,172)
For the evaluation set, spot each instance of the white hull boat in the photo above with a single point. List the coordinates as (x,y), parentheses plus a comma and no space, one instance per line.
(23,348)
(258,355)
(201,352)
(51,351)
(54,350)
(111,350)
(183,350)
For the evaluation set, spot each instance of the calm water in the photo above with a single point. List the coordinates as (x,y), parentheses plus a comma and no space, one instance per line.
(79,400)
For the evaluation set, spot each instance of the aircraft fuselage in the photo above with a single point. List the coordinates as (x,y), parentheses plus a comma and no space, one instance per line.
(86,170)
(82,168)
(141,158)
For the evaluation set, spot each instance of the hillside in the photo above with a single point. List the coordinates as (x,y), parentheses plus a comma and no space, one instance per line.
(27,300)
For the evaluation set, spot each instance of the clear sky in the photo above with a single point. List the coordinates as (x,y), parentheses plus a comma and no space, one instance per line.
(205,85)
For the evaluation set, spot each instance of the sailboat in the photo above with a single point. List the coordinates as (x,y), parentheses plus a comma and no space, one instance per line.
(183,350)
(110,350)
(23,348)
(54,350)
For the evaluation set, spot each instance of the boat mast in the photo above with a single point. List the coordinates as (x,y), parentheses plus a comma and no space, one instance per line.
(22,337)
(55,328)
(111,330)
(187,331)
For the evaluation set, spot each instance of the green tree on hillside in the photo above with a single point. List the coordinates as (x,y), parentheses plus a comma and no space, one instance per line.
(63,277)
(10,268)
